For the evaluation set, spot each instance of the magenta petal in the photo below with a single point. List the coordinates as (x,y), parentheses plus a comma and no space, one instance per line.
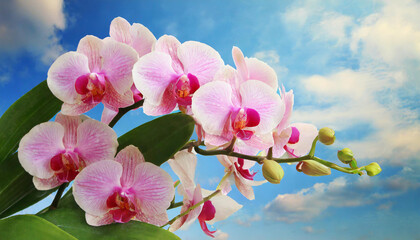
(208,212)
(253,118)
(244,134)
(153,188)
(91,46)
(118,60)
(96,141)
(122,216)
(294,138)
(129,158)
(63,73)
(95,184)
(194,84)
(203,226)
(38,146)
(307,133)
(200,60)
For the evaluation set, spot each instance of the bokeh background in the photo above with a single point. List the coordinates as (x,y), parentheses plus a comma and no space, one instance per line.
(353,66)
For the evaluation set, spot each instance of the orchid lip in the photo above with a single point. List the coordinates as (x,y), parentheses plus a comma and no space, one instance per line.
(91,86)
(66,166)
(121,208)
(245,173)
(185,86)
(244,118)
(207,213)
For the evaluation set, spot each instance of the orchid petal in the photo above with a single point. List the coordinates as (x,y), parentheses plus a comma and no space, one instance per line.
(142,39)
(225,206)
(99,220)
(262,98)
(118,60)
(38,146)
(243,187)
(308,132)
(43,184)
(91,47)
(129,158)
(183,165)
(259,70)
(152,75)
(212,105)
(114,100)
(288,100)
(63,73)
(200,59)
(167,105)
(228,74)
(153,188)
(239,59)
(96,141)
(155,219)
(185,221)
(95,184)
(169,45)
(76,109)
(280,140)
(70,124)
(120,30)
(108,114)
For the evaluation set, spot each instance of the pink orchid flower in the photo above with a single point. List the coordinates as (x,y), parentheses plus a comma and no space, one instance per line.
(295,139)
(137,36)
(170,75)
(240,174)
(250,113)
(55,152)
(99,71)
(216,209)
(124,189)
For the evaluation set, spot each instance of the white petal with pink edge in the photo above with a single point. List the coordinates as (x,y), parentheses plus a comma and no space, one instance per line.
(183,165)
(91,47)
(169,45)
(224,205)
(99,220)
(155,219)
(96,141)
(153,188)
(167,105)
(142,39)
(93,186)
(259,70)
(152,74)
(212,105)
(264,99)
(118,60)
(200,59)
(307,134)
(129,158)
(288,100)
(63,73)
(38,146)
(239,59)
(120,30)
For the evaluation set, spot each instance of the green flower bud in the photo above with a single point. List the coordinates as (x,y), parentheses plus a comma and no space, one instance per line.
(345,155)
(272,171)
(326,135)
(373,169)
(353,163)
(313,168)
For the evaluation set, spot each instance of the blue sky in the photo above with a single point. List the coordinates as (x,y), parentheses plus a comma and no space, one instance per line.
(353,66)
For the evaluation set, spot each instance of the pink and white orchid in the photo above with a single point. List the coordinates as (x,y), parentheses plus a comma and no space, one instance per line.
(170,75)
(99,71)
(55,152)
(250,113)
(240,174)
(137,36)
(216,209)
(124,189)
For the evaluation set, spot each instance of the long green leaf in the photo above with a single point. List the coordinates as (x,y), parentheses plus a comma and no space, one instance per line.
(161,138)
(69,217)
(37,106)
(23,227)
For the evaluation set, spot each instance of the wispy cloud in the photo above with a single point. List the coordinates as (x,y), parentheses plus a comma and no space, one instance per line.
(310,203)
(30,25)
(248,220)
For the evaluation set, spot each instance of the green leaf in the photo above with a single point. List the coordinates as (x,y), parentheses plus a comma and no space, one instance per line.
(37,106)
(17,191)
(69,217)
(16,188)
(31,227)
(161,138)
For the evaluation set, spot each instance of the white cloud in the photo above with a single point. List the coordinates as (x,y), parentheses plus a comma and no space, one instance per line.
(333,27)
(310,203)
(296,16)
(219,235)
(248,220)
(308,229)
(32,25)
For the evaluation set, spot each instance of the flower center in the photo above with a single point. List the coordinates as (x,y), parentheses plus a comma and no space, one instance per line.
(121,208)
(245,173)
(92,87)
(207,213)
(66,166)
(185,87)
(243,118)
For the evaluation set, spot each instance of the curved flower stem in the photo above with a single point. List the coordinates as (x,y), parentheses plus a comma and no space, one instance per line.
(312,151)
(57,197)
(175,205)
(123,111)
(192,207)
(336,167)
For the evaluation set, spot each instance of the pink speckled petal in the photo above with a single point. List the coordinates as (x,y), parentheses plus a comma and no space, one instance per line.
(99,220)
(183,165)
(259,70)
(142,39)
(120,30)
(70,124)
(43,184)
(169,45)
(91,47)
(129,158)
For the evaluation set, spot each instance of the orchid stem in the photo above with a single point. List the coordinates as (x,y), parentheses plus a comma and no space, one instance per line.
(58,195)
(175,205)
(123,111)
(192,207)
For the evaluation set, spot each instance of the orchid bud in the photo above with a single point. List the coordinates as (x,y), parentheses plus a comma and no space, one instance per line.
(272,171)
(353,163)
(326,135)
(345,155)
(373,169)
(313,168)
